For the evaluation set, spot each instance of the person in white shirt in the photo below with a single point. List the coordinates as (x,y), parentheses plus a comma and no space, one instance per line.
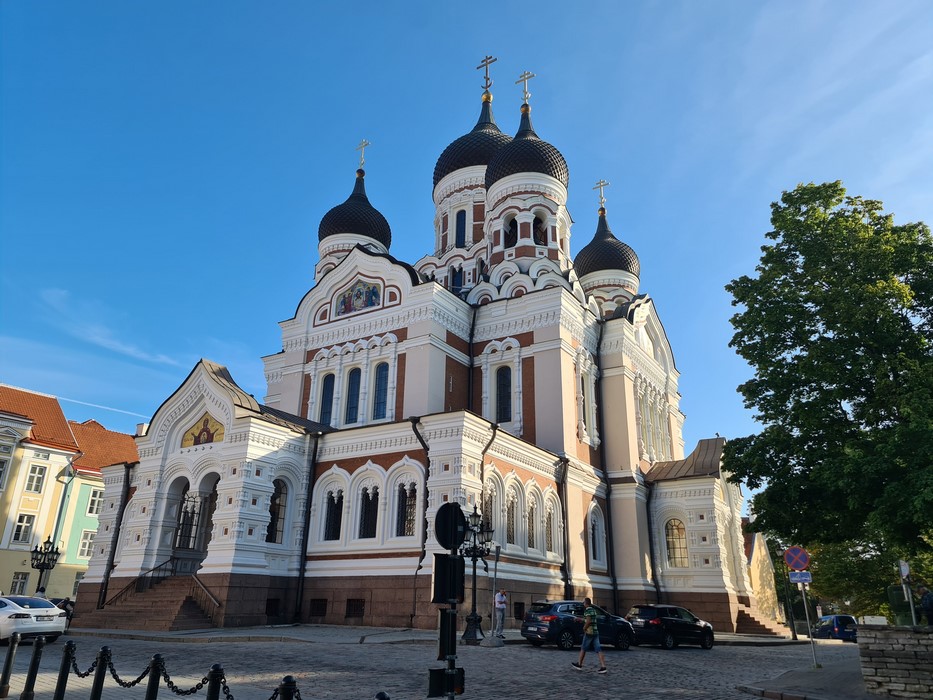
(501,601)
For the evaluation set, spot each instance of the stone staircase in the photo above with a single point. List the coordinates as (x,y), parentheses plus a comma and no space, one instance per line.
(750,621)
(167,605)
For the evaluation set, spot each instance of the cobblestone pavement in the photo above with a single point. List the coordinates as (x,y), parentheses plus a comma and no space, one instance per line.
(353,671)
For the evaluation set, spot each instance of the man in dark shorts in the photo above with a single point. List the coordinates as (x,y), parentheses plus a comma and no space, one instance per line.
(590,638)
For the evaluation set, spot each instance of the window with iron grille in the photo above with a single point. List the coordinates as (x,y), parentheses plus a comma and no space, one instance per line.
(487,510)
(369,506)
(405,518)
(381,391)
(36,479)
(594,537)
(503,394)
(95,501)
(327,399)
(676,538)
(549,530)
(510,521)
(86,548)
(276,530)
(18,585)
(356,607)
(317,607)
(353,396)
(22,531)
(531,525)
(334,515)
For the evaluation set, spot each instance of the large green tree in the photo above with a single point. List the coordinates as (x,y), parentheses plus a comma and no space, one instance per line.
(837,325)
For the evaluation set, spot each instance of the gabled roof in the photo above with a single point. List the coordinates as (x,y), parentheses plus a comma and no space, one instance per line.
(101,447)
(49,429)
(705,460)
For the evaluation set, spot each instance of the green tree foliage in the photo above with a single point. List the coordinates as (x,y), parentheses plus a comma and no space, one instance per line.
(837,326)
(854,576)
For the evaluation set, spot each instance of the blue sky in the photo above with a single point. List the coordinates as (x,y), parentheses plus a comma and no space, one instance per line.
(164,165)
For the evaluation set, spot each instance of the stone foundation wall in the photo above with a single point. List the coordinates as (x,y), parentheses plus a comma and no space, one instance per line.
(897,662)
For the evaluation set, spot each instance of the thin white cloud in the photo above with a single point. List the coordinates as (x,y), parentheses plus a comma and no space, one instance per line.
(82,319)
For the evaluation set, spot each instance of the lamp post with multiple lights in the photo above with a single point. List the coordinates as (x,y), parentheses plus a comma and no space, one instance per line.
(44,559)
(475,546)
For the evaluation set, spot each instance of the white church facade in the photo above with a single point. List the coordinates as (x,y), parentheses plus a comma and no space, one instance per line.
(497,372)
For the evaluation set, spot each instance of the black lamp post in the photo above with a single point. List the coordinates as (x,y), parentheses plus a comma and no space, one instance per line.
(44,559)
(476,546)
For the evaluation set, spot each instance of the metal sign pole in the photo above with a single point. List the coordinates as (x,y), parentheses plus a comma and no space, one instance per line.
(806,610)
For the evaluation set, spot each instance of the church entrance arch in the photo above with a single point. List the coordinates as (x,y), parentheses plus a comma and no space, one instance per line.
(194,523)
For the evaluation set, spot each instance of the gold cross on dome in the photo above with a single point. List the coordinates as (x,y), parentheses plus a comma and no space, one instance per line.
(362,149)
(599,186)
(524,78)
(485,63)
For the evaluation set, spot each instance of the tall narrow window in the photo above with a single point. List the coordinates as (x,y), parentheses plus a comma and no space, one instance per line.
(334,515)
(531,525)
(353,396)
(369,505)
(405,517)
(549,530)
(539,231)
(327,400)
(676,536)
(380,390)
(487,510)
(594,537)
(511,234)
(276,530)
(460,236)
(36,478)
(510,521)
(503,394)
(456,279)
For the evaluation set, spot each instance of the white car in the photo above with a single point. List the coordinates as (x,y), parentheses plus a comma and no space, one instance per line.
(31,617)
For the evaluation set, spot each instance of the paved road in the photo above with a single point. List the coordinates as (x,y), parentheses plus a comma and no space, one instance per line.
(341,667)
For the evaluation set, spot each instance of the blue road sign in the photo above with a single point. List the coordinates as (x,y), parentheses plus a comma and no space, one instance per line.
(801,577)
(797,558)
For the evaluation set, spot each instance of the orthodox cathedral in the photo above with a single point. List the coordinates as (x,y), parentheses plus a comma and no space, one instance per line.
(498,373)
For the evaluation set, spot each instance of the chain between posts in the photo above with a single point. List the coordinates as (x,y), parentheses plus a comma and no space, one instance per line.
(120,681)
(74,667)
(174,688)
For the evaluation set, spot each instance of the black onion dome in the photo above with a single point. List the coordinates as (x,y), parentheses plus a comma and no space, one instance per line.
(605,252)
(356,215)
(527,153)
(475,148)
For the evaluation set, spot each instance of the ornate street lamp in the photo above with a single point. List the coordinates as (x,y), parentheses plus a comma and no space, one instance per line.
(476,546)
(44,559)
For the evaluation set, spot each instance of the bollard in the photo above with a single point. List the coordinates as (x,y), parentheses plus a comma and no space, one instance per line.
(382,695)
(103,661)
(287,688)
(8,665)
(64,670)
(155,676)
(214,677)
(30,685)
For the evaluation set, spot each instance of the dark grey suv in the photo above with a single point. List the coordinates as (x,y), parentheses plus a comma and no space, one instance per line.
(561,623)
(669,625)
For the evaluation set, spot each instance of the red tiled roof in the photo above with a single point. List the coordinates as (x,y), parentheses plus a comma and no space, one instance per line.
(50,429)
(101,447)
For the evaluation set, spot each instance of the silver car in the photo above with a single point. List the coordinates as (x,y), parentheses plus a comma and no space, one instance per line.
(31,617)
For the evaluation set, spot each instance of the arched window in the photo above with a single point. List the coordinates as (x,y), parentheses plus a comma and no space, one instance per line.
(539,231)
(510,509)
(405,515)
(531,525)
(595,537)
(276,530)
(487,509)
(549,530)
(369,507)
(353,396)
(380,390)
(460,235)
(456,279)
(511,234)
(327,399)
(334,515)
(675,535)
(503,394)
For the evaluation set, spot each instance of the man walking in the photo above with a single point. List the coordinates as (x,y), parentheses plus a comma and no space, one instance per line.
(590,638)
(501,602)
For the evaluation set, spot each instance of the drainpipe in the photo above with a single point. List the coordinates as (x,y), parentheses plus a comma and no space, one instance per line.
(564,569)
(414,420)
(124,500)
(654,574)
(306,533)
(605,465)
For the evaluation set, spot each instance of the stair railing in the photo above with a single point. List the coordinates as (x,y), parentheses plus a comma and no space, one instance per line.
(204,598)
(145,581)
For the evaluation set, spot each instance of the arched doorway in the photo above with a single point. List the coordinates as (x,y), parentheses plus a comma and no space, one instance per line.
(194,523)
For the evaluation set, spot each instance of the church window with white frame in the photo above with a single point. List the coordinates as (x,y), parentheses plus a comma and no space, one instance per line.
(351,414)
(511,507)
(532,523)
(406,509)
(460,229)
(369,511)
(325,415)
(503,394)
(275,532)
(549,530)
(380,391)
(675,537)
(333,514)
(597,539)
(510,233)
(502,384)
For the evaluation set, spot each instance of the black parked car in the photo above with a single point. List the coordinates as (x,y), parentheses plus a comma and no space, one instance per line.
(669,625)
(561,623)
